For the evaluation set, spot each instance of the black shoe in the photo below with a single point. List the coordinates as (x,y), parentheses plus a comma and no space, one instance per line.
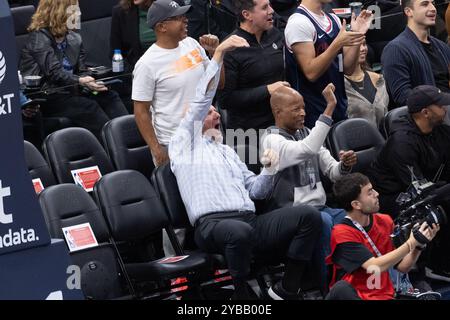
(247,294)
(438,274)
(276,292)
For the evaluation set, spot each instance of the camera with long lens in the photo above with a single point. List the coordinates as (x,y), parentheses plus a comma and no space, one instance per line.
(419,204)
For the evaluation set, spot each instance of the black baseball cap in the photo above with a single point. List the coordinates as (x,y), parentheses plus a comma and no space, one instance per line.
(161,10)
(424,96)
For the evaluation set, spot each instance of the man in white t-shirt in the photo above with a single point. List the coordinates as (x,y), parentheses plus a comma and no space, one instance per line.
(320,51)
(165,77)
(164,81)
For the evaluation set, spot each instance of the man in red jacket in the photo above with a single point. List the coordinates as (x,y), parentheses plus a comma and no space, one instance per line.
(362,251)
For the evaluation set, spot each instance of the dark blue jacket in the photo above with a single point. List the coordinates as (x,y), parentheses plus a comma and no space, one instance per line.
(406,64)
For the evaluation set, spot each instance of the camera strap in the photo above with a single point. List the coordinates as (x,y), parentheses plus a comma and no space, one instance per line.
(360,228)
(420,238)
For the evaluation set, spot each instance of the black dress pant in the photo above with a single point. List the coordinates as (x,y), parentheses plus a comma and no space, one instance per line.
(33,129)
(87,111)
(291,232)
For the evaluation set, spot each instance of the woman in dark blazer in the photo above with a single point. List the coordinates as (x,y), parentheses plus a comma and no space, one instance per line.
(129,30)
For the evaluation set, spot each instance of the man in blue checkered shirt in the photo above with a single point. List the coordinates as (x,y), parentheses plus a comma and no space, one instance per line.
(217,190)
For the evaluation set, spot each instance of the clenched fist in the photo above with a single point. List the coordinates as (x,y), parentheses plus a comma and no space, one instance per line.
(348,158)
(209,42)
(270,160)
(330,98)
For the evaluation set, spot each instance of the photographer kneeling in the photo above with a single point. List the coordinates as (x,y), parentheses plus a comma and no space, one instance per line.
(362,251)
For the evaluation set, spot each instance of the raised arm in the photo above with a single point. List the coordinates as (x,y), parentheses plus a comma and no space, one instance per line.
(292,152)
(351,53)
(315,66)
(191,125)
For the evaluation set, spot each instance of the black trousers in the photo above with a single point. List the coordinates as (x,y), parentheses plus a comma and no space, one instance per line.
(33,129)
(290,232)
(90,112)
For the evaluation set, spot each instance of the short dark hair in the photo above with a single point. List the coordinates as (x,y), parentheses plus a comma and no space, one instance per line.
(406,4)
(240,5)
(348,188)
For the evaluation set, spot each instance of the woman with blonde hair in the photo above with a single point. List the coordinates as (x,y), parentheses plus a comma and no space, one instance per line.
(55,52)
(54,16)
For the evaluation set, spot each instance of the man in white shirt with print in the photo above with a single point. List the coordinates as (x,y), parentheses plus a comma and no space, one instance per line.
(165,77)
(164,81)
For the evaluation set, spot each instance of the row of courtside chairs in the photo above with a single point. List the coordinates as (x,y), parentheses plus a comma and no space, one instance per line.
(133,202)
(128,209)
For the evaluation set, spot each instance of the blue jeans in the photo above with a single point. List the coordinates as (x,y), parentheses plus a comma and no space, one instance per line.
(330,217)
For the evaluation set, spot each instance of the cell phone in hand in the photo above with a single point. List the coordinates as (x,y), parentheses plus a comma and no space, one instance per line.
(112,81)
(100,70)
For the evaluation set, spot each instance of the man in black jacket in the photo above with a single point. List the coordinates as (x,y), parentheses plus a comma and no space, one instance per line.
(253,73)
(414,57)
(419,142)
(418,148)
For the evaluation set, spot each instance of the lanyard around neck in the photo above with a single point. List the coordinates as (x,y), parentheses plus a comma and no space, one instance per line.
(360,228)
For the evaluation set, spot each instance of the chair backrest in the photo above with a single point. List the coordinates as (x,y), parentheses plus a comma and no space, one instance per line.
(130,205)
(74,148)
(52,124)
(166,184)
(392,116)
(126,147)
(67,205)
(359,135)
(37,166)
(22,18)
(95,30)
